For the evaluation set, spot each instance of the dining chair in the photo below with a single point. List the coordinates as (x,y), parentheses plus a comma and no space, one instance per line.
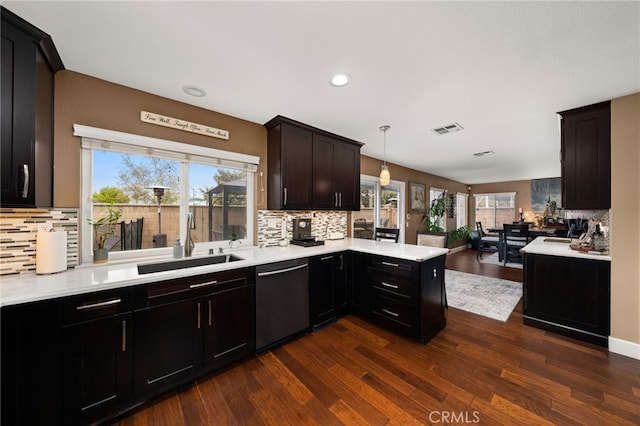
(387,234)
(486,243)
(515,237)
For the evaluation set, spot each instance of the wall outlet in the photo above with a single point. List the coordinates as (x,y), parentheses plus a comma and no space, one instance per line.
(44,227)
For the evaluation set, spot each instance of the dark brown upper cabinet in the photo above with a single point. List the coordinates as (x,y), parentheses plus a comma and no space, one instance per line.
(29,62)
(309,168)
(586,157)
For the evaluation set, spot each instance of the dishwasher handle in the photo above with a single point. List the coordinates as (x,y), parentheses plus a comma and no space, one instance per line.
(282,271)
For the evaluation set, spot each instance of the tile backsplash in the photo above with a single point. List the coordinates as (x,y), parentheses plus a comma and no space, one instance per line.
(323,223)
(18,229)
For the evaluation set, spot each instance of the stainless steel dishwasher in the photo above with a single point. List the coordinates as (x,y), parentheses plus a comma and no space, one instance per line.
(282,302)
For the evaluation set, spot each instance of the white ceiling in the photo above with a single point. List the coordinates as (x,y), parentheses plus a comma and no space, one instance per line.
(500,69)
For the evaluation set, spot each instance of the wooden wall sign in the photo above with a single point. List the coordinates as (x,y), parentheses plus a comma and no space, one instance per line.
(187,126)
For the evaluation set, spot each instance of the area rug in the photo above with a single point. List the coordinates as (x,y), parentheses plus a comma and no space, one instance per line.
(489,297)
(493,259)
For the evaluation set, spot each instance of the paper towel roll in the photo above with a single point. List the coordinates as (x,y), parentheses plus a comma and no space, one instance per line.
(51,252)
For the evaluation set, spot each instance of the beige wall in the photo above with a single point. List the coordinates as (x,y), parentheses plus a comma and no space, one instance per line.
(625,218)
(81,99)
(371,166)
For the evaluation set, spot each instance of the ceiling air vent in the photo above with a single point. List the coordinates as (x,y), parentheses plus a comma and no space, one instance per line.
(449,128)
(483,153)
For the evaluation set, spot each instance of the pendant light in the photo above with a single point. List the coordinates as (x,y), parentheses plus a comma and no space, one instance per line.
(385,177)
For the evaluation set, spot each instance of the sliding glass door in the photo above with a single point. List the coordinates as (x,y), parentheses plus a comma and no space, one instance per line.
(380,206)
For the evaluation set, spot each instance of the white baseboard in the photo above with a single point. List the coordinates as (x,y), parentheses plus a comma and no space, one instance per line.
(460,248)
(623,347)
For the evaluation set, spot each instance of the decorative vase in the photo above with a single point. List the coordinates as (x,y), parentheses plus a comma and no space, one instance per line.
(598,241)
(100,255)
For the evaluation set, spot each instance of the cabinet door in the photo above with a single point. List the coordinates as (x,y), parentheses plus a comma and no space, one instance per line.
(168,345)
(325,194)
(97,368)
(230,326)
(342,282)
(360,287)
(322,290)
(18,106)
(347,177)
(573,294)
(289,159)
(336,174)
(586,157)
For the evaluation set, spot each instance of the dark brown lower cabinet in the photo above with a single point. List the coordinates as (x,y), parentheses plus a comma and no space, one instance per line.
(230,325)
(97,368)
(402,295)
(327,288)
(568,296)
(168,345)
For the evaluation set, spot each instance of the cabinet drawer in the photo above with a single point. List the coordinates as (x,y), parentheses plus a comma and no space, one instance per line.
(188,287)
(91,306)
(395,312)
(394,266)
(393,284)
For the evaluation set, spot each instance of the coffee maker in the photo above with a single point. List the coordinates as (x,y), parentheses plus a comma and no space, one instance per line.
(302,233)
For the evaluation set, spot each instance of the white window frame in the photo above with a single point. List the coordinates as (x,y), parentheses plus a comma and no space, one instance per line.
(495,206)
(462,213)
(437,191)
(108,140)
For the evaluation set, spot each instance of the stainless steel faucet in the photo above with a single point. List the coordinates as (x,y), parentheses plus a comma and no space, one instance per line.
(188,244)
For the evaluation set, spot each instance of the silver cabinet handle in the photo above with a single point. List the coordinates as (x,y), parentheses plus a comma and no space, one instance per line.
(395,265)
(198,315)
(210,313)
(335,203)
(389,285)
(281,271)
(435,273)
(285,197)
(203,284)
(98,305)
(326,258)
(340,196)
(25,186)
(386,311)
(124,335)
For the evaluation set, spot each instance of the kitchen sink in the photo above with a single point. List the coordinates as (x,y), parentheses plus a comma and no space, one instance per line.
(148,268)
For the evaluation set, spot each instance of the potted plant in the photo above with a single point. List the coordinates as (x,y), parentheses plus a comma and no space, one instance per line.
(439,207)
(102,228)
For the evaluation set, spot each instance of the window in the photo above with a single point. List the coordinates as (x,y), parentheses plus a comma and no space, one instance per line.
(161,182)
(379,207)
(461,209)
(494,210)
(434,194)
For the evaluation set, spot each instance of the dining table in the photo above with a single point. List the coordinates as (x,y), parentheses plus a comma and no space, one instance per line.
(534,232)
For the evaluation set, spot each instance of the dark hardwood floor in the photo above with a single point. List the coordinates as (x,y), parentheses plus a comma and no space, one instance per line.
(477,370)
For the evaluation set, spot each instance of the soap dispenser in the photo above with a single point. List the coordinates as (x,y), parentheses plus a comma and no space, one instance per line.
(177,250)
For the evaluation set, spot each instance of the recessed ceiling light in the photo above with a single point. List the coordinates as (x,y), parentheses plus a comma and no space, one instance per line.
(340,80)
(194,91)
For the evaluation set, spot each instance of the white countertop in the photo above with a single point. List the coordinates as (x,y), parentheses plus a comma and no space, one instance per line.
(554,248)
(17,289)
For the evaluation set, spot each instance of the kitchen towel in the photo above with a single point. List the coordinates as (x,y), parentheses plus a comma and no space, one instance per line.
(51,252)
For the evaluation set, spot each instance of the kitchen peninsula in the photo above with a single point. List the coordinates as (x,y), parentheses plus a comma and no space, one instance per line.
(109,338)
